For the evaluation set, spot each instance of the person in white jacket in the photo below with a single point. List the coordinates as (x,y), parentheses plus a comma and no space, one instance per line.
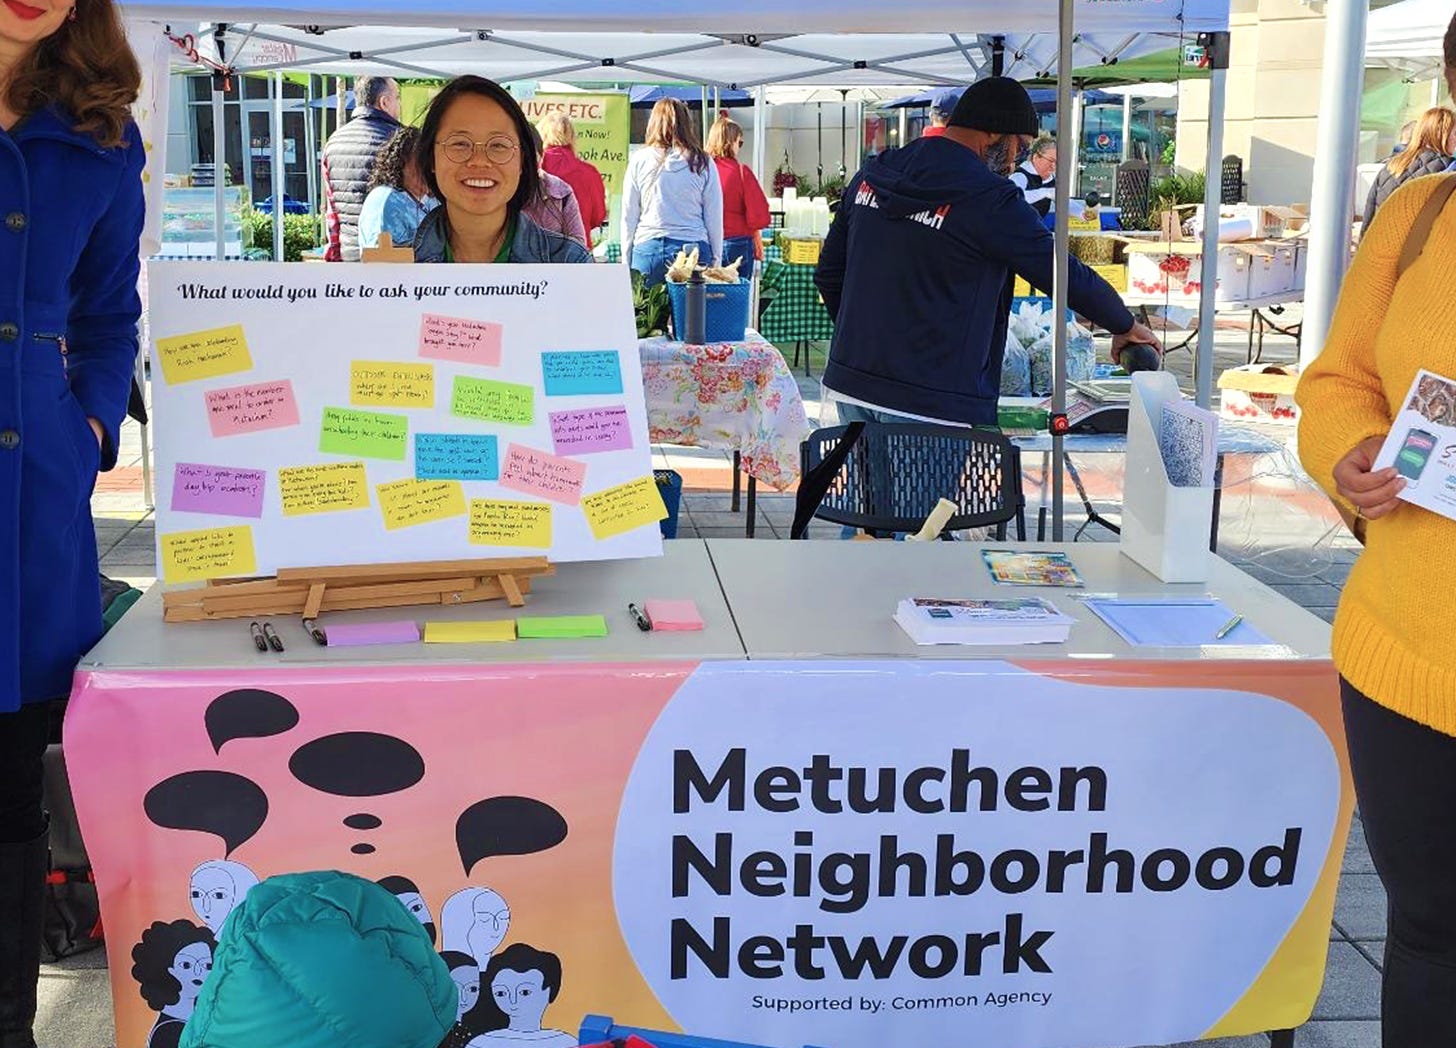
(672,198)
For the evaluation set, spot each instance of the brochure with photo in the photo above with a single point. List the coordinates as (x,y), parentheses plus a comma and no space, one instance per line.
(1422,444)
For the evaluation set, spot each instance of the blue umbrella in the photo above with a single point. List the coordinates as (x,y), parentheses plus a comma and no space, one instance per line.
(645,96)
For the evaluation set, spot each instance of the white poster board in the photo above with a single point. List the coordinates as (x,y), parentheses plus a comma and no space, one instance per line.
(324,415)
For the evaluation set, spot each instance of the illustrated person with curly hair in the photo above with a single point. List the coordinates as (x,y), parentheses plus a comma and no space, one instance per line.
(172,962)
(71,215)
(398,199)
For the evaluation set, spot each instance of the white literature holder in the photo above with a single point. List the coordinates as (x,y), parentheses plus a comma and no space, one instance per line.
(1165,529)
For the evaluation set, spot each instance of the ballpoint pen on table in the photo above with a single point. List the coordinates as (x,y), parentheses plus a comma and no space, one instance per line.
(1228,627)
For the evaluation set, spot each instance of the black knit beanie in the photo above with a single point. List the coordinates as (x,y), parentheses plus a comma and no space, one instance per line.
(997,105)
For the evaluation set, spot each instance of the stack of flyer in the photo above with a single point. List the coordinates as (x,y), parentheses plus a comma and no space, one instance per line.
(1002,622)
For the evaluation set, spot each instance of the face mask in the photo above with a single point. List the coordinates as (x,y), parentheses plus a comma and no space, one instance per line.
(999,156)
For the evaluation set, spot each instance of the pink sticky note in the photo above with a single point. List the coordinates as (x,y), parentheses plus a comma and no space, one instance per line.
(535,472)
(591,429)
(670,615)
(247,409)
(355,634)
(463,341)
(223,490)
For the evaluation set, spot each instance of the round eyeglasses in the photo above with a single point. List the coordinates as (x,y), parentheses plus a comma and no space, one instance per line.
(460,149)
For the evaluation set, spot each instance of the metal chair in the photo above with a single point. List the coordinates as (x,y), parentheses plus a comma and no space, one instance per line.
(1133,193)
(887,478)
(1231,180)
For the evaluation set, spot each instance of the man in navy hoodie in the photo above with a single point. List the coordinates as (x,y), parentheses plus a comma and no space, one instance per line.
(917,271)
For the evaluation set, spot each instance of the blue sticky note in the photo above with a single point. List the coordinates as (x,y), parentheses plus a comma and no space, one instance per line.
(578,372)
(456,456)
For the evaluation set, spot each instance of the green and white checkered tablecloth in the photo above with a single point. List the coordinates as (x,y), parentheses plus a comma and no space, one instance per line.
(795,313)
(614,252)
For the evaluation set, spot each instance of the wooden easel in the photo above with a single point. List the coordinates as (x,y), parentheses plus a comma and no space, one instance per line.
(308,592)
(387,252)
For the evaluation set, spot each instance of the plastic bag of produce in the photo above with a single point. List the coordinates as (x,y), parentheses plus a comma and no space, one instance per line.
(1015,369)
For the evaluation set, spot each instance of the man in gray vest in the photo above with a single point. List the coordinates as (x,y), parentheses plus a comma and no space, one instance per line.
(349,161)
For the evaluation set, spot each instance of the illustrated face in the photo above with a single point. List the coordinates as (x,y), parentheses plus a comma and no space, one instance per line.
(213,896)
(520,995)
(191,968)
(415,904)
(25,23)
(492,920)
(480,182)
(467,981)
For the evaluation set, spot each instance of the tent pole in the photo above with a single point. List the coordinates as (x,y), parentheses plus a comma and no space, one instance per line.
(703,110)
(760,130)
(279,157)
(1126,127)
(1212,201)
(219,148)
(309,131)
(904,126)
(1061,266)
(1079,118)
(1332,201)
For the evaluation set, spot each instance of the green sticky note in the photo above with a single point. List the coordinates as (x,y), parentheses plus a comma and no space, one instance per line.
(365,434)
(562,627)
(491,401)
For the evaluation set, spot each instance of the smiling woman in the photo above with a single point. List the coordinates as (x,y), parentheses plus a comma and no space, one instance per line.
(479,160)
(70,221)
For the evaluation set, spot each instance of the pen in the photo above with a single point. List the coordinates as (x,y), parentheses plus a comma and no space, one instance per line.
(643,622)
(259,640)
(1228,627)
(314,632)
(274,641)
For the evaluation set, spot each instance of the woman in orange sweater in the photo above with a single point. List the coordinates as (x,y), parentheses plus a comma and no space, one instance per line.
(1392,632)
(745,208)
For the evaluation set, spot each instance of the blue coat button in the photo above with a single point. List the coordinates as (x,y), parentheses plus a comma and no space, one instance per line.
(9,439)
(9,332)
(15,222)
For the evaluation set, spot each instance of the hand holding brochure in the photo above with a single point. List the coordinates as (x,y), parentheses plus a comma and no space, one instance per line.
(1030,621)
(1422,445)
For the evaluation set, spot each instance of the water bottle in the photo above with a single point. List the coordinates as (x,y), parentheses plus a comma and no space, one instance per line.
(696,333)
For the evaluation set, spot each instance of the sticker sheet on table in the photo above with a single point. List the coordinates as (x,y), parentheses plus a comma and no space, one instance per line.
(643,823)
(392,415)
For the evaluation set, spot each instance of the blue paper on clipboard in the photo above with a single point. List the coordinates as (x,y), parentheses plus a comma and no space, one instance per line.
(1163,623)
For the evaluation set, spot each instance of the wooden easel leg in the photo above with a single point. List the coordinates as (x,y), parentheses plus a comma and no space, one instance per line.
(512,589)
(315,601)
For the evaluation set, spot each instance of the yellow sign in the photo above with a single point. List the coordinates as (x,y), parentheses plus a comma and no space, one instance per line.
(406,503)
(382,384)
(1087,224)
(470,632)
(603,126)
(204,354)
(504,522)
(323,489)
(624,508)
(212,553)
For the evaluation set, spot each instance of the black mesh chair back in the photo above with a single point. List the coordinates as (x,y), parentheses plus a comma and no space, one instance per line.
(1231,180)
(892,476)
(1133,193)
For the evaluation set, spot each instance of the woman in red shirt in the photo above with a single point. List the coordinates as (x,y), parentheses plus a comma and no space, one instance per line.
(560,159)
(745,208)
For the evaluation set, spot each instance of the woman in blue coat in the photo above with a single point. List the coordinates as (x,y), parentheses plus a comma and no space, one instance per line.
(70,225)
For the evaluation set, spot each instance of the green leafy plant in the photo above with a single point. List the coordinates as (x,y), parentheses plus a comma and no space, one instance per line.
(1170,153)
(1174,191)
(651,305)
(300,234)
(831,189)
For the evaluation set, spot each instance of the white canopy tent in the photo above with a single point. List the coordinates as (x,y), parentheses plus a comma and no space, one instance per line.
(1408,35)
(749,44)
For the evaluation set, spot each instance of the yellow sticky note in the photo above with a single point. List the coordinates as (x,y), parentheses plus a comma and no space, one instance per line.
(326,488)
(381,383)
(406,503)
(504,522)
(624,508)
(470,632)
(204,354)
(212,553)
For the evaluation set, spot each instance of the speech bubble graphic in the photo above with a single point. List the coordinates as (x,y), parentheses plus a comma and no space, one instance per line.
(507,826)
(357,764)
(248,713)
(217,802)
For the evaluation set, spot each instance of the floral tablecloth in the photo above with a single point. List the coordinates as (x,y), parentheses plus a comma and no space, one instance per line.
(737,396)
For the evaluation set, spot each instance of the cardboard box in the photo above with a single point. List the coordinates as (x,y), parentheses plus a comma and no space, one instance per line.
(1259,393)
(1272,275)
(1265,221)
(1176,269)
